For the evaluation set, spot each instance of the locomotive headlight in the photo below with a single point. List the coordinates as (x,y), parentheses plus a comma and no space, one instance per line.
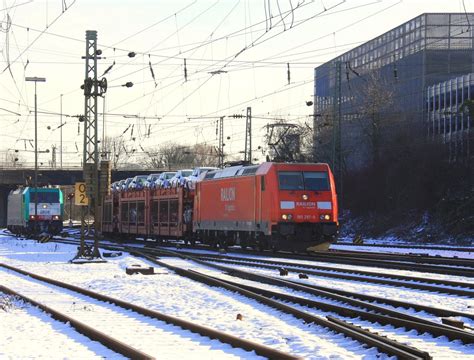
(32,217)
(327,217)
(305,197)
(55,217)
(45,206)
(284,217)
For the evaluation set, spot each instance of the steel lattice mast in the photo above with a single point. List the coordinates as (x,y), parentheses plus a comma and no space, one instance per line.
(92,89)
(248,137)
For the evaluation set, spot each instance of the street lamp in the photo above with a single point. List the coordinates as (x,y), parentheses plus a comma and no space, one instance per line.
(36,80)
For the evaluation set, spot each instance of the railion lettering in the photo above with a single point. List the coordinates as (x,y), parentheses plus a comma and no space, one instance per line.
(228,194)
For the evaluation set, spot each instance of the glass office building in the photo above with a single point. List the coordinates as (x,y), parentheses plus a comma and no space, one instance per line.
(408,69)
(447,119)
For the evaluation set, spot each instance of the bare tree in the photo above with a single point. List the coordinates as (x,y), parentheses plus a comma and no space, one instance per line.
(377,100)
(14,160)
(172,156)
(204,155)
(288,142)
(116,150)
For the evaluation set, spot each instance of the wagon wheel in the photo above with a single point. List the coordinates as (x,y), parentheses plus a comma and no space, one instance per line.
(213,242)
(223,244)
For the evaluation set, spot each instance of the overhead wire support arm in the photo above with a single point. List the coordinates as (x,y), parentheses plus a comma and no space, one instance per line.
(217,72)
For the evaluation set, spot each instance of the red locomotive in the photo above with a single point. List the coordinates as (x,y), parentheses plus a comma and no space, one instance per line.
(272,205)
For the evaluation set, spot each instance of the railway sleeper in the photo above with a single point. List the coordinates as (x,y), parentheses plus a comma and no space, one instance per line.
(234,341)
(376,280)
(421,326)
(391,347)
(402,319)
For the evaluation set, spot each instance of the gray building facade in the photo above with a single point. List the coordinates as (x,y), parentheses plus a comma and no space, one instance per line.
(394,76)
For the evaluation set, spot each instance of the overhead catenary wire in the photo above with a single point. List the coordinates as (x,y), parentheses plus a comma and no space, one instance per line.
(236,61)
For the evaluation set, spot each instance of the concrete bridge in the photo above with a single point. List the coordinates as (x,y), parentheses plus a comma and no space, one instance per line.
(10,178)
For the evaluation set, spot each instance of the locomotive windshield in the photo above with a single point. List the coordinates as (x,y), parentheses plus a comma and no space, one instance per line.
(45,197)
(303,180)
(316,180)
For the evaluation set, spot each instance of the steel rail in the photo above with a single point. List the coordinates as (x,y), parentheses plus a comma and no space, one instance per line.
(394,264)
(184,324)
(394,303)
(420,325)
(353,260)
(337,273)
(399,246)
(384,344)
(409,321)
(403,258)
(338,257)
(364,297)
(93,334)
(360,272)
(416,258)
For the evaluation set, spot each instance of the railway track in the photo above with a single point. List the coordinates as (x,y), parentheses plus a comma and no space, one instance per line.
(412,282)
(373,316)
(426,264)
(352,300)
(414,258)
(136,336)
(373,260)
(370,338)
(399,246)
(421,283)
(392,317)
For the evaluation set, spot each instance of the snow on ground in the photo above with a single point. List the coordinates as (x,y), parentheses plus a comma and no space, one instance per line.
(26,333)
(142,333)
(440,347)
(391,240)
(451,302)
(170,294)
(373,269)
(213,307)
